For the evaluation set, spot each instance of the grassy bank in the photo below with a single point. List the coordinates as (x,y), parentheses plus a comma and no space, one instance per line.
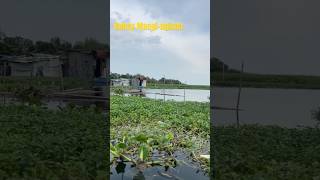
(36,143)
(140,127)
(266,81)
(266,152)
(177,86)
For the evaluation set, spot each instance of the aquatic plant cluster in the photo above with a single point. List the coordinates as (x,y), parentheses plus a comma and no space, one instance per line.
(266,152)
(147,132)
(71,143)
(13,84)
(37,143)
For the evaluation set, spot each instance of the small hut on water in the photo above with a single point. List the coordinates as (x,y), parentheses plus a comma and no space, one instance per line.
(77,64)
(42,65)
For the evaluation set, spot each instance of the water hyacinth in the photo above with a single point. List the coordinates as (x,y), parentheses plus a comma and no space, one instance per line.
(154,130)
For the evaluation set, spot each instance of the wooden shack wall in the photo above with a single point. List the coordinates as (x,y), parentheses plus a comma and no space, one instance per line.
(50,68)
(21,69)
(80,65)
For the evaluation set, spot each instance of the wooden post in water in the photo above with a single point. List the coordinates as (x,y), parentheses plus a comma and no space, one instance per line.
(239,93)
(184,91)
(184,94)
(164,83)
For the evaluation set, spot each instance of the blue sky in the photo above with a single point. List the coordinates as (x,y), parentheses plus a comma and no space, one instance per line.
(182,55)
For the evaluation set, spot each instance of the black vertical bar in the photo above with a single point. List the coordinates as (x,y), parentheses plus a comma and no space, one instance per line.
(108,86)
(212,169)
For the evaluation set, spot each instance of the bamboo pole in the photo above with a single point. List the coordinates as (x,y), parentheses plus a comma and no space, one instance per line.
(184,92)
(164,83)
(239,94)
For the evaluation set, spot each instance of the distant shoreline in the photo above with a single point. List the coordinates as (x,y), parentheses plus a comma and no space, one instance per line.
(177,86)
(266,81)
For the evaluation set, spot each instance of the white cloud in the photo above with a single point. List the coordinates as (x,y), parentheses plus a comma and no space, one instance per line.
(192,46)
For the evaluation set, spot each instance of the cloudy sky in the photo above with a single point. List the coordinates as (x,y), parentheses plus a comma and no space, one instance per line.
(271,36)
(178,55)
(72,20)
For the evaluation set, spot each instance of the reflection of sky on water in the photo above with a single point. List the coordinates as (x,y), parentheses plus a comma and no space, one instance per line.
(282,107)
(178,94)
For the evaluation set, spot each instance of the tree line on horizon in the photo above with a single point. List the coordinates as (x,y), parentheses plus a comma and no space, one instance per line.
(216,65)
(22,46)
(149,79)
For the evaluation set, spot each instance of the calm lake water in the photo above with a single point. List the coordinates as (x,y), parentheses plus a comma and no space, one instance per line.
(282,107)
(180,172)
(159,173)
(190,94)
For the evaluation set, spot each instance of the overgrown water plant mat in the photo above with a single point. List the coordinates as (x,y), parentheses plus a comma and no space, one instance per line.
(36,143)
(13,84)
(147,132)
(266,152)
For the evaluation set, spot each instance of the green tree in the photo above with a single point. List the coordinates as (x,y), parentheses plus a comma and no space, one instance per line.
(89,44)
(45,47)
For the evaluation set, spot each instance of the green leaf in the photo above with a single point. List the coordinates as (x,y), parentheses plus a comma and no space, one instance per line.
(150,141)
(142,138)
(112,147)
(143,153)
(121,145)
(170,136)
(114,151)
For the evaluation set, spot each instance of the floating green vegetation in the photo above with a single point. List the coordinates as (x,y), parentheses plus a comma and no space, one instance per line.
(37,143)
(11,84)
(29,95)
(148,132)
(118,90)
(266,152)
